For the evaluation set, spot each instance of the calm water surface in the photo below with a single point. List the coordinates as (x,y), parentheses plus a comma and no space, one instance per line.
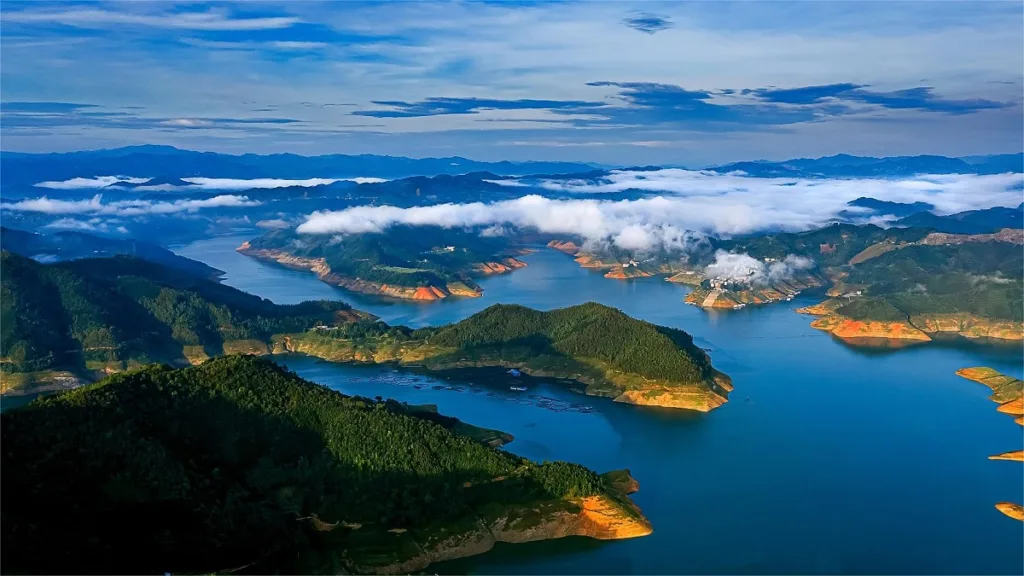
(841,461)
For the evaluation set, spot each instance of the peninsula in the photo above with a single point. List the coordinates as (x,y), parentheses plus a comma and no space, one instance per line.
(412,263)
(1007,391)
(240,465)
(606,351)
(941,284)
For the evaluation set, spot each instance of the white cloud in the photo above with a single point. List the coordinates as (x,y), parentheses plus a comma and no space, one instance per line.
(201,183)
(247,184)
(92,225)
(696,203)
(98,18)
(187,122)
(514,183)
(97,182)
(95,205)
(275,224)
(296,45)
(744,268)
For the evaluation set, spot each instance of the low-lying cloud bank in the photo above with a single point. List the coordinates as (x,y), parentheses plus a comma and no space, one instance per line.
(691,204)
(749,270)
(197,183)
(92,225)
(95,205)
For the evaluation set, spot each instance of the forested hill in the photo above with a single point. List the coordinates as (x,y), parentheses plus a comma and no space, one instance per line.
(110,313)
(238,465)
(587,332)
(600,348)
(983,279)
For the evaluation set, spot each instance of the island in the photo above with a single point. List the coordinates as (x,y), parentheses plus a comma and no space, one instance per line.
(413,263)
(68,323)
(238,465)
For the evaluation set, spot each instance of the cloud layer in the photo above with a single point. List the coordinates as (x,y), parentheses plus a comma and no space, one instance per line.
(95,205)
(198,183)
(687,204)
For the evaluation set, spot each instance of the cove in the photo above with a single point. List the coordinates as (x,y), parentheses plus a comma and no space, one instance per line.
(843,460)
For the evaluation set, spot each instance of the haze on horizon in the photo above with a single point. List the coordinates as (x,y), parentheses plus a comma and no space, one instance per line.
(617,83)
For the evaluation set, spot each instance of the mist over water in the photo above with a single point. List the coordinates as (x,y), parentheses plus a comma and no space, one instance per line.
(843,460)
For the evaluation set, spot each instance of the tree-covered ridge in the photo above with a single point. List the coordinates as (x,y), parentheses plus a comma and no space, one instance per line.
(982,279)
(829,246)
(113,312)
(401,255)
(238,464)
(586,332)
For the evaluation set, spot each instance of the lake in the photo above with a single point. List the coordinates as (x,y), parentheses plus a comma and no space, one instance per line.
(827,459)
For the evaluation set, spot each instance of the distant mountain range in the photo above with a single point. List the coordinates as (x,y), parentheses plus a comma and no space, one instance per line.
(167,165)
(846,166)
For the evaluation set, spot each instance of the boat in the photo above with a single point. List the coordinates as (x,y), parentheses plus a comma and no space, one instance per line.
(514,372)
(518,388)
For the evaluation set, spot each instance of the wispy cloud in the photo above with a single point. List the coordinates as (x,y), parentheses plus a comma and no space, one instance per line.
(198,183)
(99,18)
(95,205)
(919,98)
(93,225)
(443,106)
(464,77)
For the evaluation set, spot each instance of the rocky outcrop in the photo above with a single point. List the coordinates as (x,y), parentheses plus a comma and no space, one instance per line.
(1016,456)
(607,516)
(751,295)
(1007,391)
(848,329)
(569,247)
(1011,235)
(918,328)
(689,277)
(1015,511)
(627,272)
(685,398)
(502,267)
(319,267)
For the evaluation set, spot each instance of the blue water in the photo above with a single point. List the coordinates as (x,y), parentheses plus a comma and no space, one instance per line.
(842,461)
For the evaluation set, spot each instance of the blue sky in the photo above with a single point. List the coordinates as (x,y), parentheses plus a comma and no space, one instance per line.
(625,83)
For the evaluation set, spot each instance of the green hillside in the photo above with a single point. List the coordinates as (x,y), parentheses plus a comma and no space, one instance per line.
(110,313)
(608,352)
(828,246)
(587,332)
(238,465)
(983,279)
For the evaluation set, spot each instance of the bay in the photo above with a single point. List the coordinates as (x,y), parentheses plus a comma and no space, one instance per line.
(827,459)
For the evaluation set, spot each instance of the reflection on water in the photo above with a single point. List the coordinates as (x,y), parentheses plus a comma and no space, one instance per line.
(844,460)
